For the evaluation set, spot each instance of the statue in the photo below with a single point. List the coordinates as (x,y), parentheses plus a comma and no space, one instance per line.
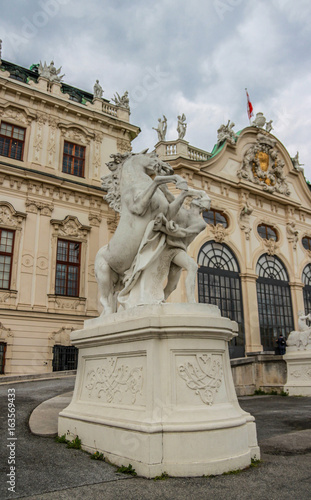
(292,233)
(297,165)
(122,101)
(226,132)
(181,126)
(269,126)
(259,121)
(154,231)
(50,72)
(98,90)
(162,128)
(301,339)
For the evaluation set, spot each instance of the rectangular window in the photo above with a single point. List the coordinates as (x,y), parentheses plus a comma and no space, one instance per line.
(12,141)
(6,257)
(68,268)
(73,159)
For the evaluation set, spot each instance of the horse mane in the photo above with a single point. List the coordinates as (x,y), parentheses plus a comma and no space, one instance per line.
(111,182)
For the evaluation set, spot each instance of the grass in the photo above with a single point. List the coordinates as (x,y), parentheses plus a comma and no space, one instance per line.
(163,476)
(75,443)
(127,470)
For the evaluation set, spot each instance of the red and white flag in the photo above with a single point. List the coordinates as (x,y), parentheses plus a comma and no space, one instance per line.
(249,106)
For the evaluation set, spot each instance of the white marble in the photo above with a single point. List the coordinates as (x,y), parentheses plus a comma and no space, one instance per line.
(154,388)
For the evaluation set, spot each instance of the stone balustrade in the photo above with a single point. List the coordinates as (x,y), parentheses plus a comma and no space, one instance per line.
(181,148)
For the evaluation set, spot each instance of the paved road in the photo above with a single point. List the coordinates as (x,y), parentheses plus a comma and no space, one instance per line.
(47,470)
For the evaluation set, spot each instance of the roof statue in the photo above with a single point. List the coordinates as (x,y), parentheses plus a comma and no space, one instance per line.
(98,90)
(50,72)
(297,165)
(122,101)
(181,126)
(259,121)
(225,132)
(162,128)
(154,231)
(269,126)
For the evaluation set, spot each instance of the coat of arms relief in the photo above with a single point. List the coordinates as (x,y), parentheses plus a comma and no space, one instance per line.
(262,165)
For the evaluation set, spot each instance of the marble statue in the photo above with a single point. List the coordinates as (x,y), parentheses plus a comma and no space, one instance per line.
(301,339)
(150,242)
(297,165)
(269,126)
(161,129)
(181,126)
(98,90)
(50,72)
(122,101)
(226,132)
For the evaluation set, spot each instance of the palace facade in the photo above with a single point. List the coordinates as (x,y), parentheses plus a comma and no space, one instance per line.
(254,257)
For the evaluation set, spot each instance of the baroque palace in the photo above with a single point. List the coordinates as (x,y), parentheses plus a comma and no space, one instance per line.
(254,257)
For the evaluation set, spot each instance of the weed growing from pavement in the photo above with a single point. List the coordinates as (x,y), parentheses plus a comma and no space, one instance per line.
(97,456)
(260,392)
(127,470)
(75,443)
(163,476)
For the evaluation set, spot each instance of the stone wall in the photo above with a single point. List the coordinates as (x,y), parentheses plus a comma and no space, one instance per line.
(265,372)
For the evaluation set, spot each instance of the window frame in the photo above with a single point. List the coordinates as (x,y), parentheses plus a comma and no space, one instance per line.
(8,254)
(267,227)
(68,263)
(309,243)
(72,157)
(11,139)
(215,212)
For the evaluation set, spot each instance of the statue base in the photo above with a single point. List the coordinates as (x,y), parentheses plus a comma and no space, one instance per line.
(298,371)
(154,389)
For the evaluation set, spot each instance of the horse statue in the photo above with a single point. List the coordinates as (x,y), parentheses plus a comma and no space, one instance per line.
(140,199)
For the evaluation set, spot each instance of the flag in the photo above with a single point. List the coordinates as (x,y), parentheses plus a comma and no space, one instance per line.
(249,106)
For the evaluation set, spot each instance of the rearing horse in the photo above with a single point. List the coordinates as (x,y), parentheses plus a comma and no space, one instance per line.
(139,199)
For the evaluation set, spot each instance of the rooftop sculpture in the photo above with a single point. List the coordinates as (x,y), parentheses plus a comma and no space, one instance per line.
(161,129)
(226,132)
(50,72)
(153,234)
(181,126)
(122,101)
(98,90)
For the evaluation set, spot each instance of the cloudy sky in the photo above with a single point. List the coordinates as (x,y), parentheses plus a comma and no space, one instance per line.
(177,56)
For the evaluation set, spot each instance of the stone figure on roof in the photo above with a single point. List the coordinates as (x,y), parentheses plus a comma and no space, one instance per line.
(226,132)
(98,90)
(50,72)
(181,126)
(297,165)
(269,126)
(259,121)
(122,101)
(162,128)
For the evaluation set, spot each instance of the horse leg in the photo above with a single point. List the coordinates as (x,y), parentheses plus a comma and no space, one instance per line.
(172,280)
(183,260)
(107,280)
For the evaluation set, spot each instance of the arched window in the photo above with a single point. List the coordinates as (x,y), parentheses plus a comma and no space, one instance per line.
(306,242)
(267,232)
(274,300)
(306,279)
(215,217)
(219,283)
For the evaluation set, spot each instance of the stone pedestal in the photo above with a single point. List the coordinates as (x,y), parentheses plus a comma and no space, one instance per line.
(298,371)
(154,389)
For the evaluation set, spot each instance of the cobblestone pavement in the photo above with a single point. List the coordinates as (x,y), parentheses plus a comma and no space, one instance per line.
(48,470)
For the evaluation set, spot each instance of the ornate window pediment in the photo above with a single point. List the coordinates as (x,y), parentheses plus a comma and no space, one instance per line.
(262,165)
(17,114)
(76,133)
(9,217)
(70,227)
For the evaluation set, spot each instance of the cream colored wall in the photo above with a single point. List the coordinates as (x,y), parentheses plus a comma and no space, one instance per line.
(42,208)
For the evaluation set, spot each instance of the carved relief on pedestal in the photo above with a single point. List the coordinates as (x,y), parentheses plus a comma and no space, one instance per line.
(116,380)
(262,165)
(203,374)
(301,373)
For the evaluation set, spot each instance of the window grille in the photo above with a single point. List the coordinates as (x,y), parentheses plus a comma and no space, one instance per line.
(64,358)
(274,301)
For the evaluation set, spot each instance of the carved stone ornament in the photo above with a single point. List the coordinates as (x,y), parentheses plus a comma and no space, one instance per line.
(225,132)
(219,233)
(16,114)
(70,226)
(261,165)
(123,146)
(5,333)
(115,382)
(122,101)
(62,336)
(50,72)
(76,134)
(270,245)
(300,339)
(9,217)
(203,375)
(292,233)
(35,206)
(243,219)
(303,373)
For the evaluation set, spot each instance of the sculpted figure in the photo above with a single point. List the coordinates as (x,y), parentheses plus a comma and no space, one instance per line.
(297,165)
(161,129)
(98,90)
(50,72)
(122,101)
(301,338)
(226,132)
(181,126)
